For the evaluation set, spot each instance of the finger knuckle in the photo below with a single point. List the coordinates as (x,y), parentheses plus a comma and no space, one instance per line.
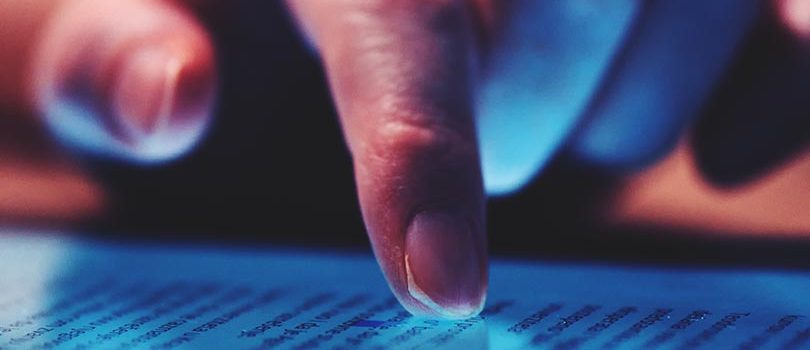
(421,141)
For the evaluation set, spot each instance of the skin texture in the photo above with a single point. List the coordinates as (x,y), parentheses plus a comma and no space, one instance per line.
(147,78)
(403,74)
(410,128)
(47,53)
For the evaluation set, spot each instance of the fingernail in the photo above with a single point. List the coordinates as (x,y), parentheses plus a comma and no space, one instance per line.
(443,264)
(144,94)
(161,101)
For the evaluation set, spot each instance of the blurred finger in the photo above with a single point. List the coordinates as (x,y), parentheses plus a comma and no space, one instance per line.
(546,59)
(795,14)
(401,75)
(131,78)
(757,116)
(660,79)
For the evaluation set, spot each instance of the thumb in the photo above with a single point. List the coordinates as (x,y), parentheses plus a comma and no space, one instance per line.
(131,79)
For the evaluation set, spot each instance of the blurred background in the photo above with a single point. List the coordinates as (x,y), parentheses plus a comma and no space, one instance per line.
(733,187)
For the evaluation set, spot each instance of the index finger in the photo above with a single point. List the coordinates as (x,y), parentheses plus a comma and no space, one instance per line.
(401,73)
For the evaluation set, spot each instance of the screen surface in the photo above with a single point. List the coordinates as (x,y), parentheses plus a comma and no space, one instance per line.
(59,292)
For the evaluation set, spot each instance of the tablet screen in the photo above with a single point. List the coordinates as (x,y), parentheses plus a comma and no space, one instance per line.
(66,293)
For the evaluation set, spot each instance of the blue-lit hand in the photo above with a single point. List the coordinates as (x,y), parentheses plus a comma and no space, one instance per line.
(441,101)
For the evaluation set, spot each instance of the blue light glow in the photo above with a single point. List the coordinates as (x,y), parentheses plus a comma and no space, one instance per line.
(60,292)
(679,51)
(544,70)
(82,128)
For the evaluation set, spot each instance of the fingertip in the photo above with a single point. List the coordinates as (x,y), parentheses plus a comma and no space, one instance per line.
(654,89)
(445,266)
(140,88)
(402,75)
(162,98)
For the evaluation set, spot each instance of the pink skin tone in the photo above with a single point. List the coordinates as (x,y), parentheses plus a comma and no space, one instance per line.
(148,77)
(402,73)
(796,15)
(410,130)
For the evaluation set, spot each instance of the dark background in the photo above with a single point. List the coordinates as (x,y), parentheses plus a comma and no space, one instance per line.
(274,168)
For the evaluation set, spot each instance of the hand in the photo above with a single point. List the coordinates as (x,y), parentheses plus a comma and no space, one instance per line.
(136,79)
(408,77)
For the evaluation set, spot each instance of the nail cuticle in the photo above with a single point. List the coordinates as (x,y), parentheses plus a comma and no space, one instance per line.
(161,100)
(145,92)
(443,265)
(449,311)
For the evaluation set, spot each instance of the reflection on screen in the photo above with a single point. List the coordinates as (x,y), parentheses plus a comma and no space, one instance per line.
(60,293)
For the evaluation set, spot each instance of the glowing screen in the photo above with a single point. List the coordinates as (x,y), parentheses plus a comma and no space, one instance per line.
(65,293)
